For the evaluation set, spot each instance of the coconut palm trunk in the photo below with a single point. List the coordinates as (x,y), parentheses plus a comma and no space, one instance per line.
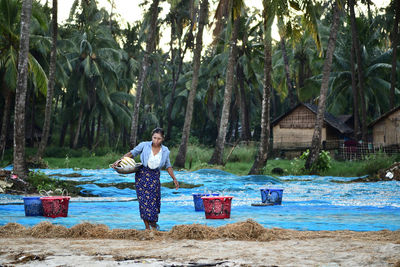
(245,133)
(78,128)
(244,109)
(20,167)
(5,121)
(262,154)
(150,46)
(316,140)
(356,45)
(394,54)
(181,156)
(354,88)
(289,82)
(51,83)
(176,73)
(217,157)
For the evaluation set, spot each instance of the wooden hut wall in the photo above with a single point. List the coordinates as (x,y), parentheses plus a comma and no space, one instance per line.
(296,129)
(387,131)
(332,133)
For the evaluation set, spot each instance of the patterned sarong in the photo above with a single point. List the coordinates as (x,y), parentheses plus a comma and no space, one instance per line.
(147,182)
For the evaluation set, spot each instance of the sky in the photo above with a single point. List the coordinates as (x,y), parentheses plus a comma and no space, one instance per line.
(130,11)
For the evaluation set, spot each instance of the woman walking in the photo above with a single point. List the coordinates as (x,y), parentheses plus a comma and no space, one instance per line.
(154,156)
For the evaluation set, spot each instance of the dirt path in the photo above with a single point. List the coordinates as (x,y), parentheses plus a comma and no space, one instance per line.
(218,252)
(239,244)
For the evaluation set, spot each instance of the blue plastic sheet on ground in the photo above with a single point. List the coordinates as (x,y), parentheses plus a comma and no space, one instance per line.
(309,202)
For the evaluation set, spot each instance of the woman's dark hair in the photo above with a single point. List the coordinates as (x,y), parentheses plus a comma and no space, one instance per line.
(159,131)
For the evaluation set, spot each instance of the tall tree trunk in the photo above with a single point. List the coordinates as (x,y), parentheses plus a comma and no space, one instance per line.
(31,127)
(159,104)
(302,66)
(98,128)
(232,119)
(274,107)
(394,54)
(244,110)
(181,156)
(361,87)
(51,83)
(150,46)
(177,74)
(243,104)
(20,167)
(5,122)
(262,154)
(356,94)
(174,74)
(89,131)
(63,133)
(71,135)
(289,82)
(78,128)
(316,140)
(217,157)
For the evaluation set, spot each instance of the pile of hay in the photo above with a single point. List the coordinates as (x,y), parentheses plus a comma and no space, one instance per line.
(247,231)
(193,231)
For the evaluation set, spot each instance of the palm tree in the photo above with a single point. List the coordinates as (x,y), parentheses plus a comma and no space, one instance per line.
(376,74)
(50,87)
(394,55)
(361,87)
(150,46)
(20,167)
(271,9)
(180,13)
(355,92)
(235,8)
(93,86)
(9,29)
(289,82)
(262,154)
(181,156)
(316,140)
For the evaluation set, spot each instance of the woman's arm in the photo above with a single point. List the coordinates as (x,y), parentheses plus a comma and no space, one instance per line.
(115,164)
(171,173)
(129,155)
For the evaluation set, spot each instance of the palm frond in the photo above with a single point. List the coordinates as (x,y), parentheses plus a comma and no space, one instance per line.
(40,78)
(374,67)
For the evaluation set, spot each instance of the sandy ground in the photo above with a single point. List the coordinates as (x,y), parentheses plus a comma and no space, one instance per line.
(238,244)
(30,251)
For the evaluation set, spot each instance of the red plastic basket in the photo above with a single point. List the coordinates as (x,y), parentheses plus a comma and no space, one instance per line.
(56,206)
(217,207)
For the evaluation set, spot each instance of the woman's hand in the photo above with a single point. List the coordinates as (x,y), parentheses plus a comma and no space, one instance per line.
(176,184)
(171,173)
(115,164)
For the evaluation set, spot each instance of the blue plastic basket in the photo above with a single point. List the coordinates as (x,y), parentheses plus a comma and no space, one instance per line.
(198,202)
(273,196)
(33,206)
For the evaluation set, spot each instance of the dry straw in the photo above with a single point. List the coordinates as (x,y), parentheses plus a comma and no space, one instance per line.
(248,230)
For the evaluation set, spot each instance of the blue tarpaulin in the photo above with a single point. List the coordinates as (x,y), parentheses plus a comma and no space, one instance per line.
(308,203)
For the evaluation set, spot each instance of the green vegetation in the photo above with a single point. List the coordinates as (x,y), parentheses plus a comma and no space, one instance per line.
(40,181)
(239,162)
(171,185)
(322,164)
(100,60)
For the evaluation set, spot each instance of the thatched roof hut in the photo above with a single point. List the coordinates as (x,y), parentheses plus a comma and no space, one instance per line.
(386,129)
(295,128)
